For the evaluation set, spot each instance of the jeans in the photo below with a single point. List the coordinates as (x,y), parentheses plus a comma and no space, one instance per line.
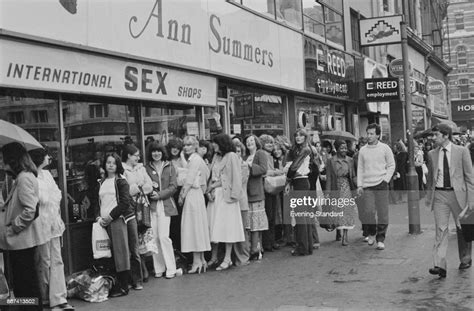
(135,260)
(376,210)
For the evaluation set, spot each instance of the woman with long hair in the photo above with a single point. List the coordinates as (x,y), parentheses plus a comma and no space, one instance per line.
(242,249)
(113,214)
(163,207)
(283,230)
(194,223)
(341,181)
(300,156)
(48,257)
(139,182)
(401,170)
(225,189)
(176,157)
(20,234)
(272,202)
(257,163)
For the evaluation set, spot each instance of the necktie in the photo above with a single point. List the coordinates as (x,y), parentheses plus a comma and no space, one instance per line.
(446,178)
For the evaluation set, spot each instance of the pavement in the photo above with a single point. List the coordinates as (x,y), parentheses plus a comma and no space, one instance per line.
(335,277)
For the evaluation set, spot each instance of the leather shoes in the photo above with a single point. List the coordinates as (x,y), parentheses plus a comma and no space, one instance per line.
(463,265)
(438,271)
(118,293)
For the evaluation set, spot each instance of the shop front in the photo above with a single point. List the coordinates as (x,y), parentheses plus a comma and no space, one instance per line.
(463,114)
(149,71)
(82,106)
(329,101)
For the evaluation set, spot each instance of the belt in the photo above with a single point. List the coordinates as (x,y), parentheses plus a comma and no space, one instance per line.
(444,189)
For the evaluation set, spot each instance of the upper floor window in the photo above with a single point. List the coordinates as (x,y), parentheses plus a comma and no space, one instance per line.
(323,19)
(39,116)
(98,111)
(461,54)
(282,10)
(459,17)
(355,33)
(16,117)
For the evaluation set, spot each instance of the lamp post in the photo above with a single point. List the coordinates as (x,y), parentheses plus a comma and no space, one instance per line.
(412,177)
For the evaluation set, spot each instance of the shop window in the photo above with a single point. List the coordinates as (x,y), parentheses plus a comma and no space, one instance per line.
(98,111)
(163,124)
(16,117)
(87,140)
(316,117)
(39,116)
(459,20)
(256,112)
(46,133)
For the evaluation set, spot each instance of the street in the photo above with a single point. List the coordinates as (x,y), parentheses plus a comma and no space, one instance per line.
(356,277)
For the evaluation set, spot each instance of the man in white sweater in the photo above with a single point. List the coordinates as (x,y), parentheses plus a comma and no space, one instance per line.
(375,168)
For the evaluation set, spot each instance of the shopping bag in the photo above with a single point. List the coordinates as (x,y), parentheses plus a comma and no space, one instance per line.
(274,184)
(89,285)
(466,218)
(181,175)
(147,243)
(4,289)
(142,210)
(100,242)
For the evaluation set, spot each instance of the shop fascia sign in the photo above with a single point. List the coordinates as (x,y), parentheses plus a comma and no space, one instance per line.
(43,68)
(330,69)
(380,30)
(208,35)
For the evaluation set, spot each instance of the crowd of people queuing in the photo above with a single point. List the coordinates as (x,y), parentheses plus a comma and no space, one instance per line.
(208,201)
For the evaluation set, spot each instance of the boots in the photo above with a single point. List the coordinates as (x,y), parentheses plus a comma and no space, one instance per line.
(345,242)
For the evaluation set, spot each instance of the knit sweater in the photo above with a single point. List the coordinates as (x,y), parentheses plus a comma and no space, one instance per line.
(375,164)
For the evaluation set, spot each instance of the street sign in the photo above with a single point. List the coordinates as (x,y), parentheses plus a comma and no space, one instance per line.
(396,68)
(382,89)
(380,30)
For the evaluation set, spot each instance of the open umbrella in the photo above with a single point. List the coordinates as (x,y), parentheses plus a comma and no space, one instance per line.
(338,135)
(10,132)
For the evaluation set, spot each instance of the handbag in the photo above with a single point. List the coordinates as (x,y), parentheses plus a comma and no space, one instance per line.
(325,221)
(142,211)
(466,218)
(100,242)
(274,184)
(146,243)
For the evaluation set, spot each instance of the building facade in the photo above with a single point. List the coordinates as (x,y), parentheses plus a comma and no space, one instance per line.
(459,53)
(85,77)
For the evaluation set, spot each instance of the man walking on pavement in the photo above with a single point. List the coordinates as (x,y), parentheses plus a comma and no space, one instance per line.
(450,188)
(375,168)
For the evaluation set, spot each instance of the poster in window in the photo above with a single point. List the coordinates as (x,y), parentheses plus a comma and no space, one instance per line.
(243,106)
